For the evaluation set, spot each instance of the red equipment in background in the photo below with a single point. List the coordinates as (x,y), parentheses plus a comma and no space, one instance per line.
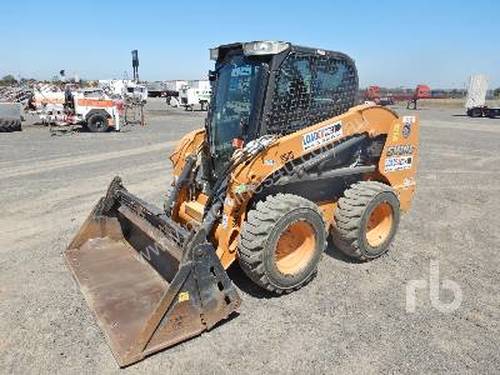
(372,94)
(422,92)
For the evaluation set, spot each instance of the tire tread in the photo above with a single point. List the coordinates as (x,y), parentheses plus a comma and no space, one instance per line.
(260,222)
(349,213)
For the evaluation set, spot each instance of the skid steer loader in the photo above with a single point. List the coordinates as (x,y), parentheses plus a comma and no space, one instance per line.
(285,159)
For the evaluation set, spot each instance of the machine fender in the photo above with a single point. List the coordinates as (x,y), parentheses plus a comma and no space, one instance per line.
(399,158)
(186,146)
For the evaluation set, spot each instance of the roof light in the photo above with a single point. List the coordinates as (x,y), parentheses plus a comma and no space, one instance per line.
(264,48)
(214,53)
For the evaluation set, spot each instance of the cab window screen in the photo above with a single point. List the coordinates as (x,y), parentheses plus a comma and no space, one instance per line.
(309,89)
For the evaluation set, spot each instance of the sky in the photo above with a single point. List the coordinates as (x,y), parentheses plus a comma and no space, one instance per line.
(394,43)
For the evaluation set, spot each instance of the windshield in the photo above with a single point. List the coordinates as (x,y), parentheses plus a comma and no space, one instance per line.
(236,88)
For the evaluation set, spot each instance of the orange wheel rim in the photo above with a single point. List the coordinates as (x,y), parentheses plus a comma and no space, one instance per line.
(295,248)
(379,225)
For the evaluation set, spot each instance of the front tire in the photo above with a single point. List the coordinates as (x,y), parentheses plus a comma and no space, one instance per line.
(366,220)
(282,242)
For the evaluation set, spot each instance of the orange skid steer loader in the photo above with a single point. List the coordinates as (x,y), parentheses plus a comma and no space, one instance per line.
(285,159)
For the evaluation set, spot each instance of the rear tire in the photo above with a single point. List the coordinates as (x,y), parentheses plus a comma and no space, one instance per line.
(97,123)
(492,113)
(282,242)
(366,220)
(475,112)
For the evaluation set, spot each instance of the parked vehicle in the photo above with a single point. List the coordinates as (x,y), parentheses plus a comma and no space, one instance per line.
(475,102)
(373,94)
(96,111)
(195,93)
(136,92)
(92,108)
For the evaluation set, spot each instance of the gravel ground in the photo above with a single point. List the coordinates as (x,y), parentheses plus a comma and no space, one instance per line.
(352,318)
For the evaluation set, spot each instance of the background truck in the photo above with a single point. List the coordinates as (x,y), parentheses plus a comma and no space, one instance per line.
(475,102)
(122,88)
(421,92)
(136,92)
(372,94)
(156,89)
(195,93)
(172,92)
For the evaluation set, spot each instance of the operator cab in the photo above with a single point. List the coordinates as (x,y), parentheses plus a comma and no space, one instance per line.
(268,87)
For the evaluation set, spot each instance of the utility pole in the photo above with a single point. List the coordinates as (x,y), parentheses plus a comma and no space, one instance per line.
(135,65)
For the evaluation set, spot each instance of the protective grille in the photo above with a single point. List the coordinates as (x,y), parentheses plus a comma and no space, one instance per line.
(310,88)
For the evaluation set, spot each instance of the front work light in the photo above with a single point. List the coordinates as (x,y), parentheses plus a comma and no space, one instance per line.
(214,53)
(264,48)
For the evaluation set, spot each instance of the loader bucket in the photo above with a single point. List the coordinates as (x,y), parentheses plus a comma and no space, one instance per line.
(149,285)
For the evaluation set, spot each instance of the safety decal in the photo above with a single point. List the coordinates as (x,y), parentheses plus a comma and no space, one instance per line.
(322,135)
(224,220)
(287,156)
(408,121)
(395,132)
(398,163)
(183,296)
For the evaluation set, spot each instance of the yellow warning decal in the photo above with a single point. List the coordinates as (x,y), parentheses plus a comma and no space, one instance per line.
(395,132)
(183,296)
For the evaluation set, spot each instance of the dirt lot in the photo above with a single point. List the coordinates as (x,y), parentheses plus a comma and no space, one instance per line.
(352,318)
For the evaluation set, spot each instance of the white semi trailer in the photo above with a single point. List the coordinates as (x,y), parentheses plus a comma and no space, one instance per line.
(475,102)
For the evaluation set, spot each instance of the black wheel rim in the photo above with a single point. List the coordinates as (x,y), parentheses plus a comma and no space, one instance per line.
(99,124)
